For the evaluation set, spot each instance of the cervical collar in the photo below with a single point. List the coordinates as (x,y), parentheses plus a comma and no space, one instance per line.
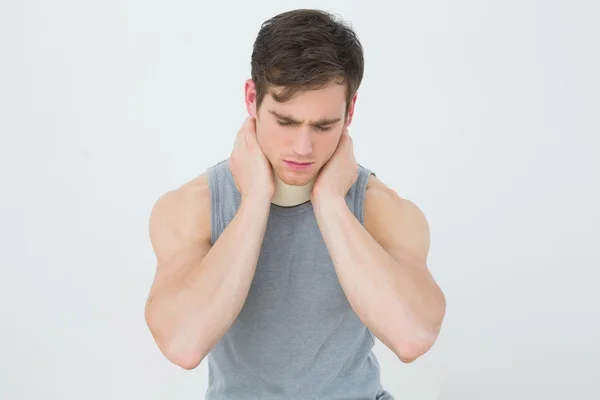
(289,195)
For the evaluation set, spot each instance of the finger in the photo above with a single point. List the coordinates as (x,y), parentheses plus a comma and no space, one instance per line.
(249,130)
(347,133)
(240,139)
(249,125)
(344,138)
(348,140)
(241,135)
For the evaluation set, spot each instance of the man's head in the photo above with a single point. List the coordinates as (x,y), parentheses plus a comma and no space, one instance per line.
(306,70)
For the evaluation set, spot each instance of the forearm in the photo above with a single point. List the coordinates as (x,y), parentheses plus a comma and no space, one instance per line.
(202,303)
(399,302)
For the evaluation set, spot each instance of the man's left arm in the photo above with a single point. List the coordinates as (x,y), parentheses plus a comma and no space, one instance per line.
(382,267)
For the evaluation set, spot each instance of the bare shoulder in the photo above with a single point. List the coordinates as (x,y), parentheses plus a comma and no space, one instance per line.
(398,224)
(180,218)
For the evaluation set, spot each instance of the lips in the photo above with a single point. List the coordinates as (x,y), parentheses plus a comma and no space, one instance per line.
(297,165)
(298,162)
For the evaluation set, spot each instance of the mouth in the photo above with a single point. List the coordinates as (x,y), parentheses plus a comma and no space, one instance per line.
(297,165)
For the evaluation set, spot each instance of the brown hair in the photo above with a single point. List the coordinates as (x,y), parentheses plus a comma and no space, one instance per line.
(305,49)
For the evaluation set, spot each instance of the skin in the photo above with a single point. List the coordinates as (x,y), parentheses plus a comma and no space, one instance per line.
(382,266)
(199,289)
(304,140)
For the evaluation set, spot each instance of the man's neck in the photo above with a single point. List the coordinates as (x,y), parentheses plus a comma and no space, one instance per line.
(289,195)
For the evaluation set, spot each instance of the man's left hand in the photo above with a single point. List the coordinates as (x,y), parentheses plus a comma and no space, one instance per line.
(339,173)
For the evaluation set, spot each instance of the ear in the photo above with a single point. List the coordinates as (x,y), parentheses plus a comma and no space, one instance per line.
(250,98)
(350,113)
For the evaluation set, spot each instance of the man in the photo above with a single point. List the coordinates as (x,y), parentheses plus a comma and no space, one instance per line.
(285,299)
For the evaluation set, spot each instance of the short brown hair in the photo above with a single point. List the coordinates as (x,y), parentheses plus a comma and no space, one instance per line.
(305,49)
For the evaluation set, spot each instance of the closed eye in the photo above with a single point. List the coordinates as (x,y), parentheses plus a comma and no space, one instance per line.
(320,128)
(281,123)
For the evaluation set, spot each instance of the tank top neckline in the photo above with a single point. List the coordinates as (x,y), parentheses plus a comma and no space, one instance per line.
(291,210)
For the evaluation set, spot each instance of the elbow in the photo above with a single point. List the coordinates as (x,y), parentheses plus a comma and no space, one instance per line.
(186,360)
(422,340)
(176,349)
(183,356)
(409,354)
(180,352)
(409,351)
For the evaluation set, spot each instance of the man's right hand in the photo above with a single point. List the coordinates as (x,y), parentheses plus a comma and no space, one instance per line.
(251,170)
(199,286)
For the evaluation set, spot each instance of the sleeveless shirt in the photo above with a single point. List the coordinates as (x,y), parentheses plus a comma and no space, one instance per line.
(296,336)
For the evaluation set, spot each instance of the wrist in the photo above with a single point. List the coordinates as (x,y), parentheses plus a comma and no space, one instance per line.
(261,200)
(327,200)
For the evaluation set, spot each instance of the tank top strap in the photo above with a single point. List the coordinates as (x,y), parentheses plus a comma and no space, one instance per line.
(355,198)
(224,197)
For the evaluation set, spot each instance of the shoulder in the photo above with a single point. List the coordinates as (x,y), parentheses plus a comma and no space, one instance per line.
(181,217)
(393,221)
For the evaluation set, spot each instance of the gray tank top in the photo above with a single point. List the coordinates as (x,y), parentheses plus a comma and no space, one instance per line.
(297,336)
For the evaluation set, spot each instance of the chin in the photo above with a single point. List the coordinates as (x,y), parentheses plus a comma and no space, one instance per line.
(295,178)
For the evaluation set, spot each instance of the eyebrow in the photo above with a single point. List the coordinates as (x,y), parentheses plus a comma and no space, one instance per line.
(319,122)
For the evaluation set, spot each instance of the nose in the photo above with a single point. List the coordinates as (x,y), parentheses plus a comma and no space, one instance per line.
(303,144)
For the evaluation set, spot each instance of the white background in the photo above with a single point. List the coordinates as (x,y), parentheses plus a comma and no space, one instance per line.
(484,113)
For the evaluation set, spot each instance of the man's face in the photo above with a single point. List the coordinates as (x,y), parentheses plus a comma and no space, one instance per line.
(300,136)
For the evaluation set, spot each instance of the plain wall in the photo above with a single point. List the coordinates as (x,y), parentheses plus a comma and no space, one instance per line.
(484,113)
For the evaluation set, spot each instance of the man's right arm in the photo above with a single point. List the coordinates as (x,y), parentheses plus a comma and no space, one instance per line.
(199,290)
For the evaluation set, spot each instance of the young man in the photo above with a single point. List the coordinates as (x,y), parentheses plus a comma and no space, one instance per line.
(282,263)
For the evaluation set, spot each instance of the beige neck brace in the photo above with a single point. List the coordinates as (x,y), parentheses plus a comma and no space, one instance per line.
(288,195)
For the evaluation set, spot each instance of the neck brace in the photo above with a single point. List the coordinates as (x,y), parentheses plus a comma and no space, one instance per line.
(289,195)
